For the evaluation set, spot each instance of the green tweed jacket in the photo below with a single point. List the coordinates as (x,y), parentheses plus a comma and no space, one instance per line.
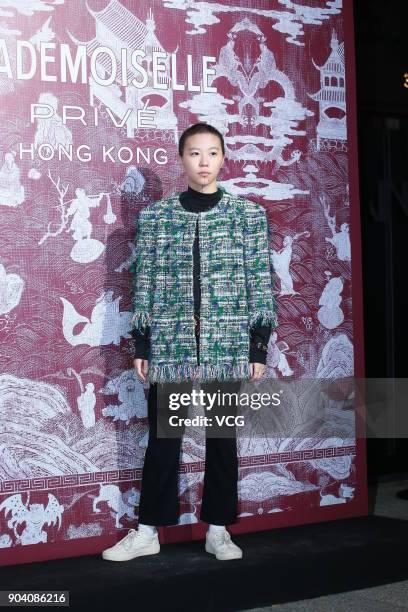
(236,287)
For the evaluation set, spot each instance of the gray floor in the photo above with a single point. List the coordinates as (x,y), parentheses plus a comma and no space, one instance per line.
(386,598)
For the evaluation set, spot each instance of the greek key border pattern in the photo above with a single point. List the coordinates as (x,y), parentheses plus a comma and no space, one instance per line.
(135,474)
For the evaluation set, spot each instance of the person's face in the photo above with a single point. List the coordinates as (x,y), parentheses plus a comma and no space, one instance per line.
(202,160)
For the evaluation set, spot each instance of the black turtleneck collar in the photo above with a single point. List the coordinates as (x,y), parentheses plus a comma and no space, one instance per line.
(197,201)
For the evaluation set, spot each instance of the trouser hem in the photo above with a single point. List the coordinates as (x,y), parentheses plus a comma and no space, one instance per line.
(218,521)
(157,522)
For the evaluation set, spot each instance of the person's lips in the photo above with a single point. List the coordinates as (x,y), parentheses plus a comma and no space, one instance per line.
(203,173)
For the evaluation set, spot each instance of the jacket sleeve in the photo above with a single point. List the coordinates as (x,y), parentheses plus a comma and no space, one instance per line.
(258,343)
(143,269)
(259,267)
(141,339)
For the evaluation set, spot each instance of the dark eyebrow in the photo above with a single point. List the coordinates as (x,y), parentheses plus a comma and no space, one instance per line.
(198,148)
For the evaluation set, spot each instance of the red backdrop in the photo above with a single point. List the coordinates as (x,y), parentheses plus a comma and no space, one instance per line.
(94,97)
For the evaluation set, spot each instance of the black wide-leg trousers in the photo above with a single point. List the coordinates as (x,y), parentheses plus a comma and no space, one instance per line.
(159,503)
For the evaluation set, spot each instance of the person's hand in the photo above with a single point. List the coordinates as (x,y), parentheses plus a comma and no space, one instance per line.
(256,370)
(141,367)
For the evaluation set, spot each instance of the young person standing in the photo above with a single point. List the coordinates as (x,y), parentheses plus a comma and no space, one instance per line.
(203,310)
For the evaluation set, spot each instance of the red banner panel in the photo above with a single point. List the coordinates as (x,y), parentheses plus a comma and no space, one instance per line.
(94,96)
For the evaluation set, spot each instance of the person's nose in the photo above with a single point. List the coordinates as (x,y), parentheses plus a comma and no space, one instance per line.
(204,161)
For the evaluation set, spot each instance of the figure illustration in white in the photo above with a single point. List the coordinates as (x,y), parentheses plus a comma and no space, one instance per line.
(11,289)
(120,504)
(345,492)
(35,516)
(276,358)
(340,240)
(250,67)
(11,190)
(86,400)
(86,249)
(47,435)
(51,130)
(106,326)
(130,394)
(281,261)
(330,314)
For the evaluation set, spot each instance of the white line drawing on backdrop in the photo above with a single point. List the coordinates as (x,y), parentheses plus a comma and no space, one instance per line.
(61,207)
(201,13)
(337,358)
(340,240)
(50,132)
(5,540)
(131,397)
(85,249)
(27,7)
(11,190)
(337,467)
(106,326)
(118,28)
(330,314)
(35,516)
(11,290)
(332,125)
(133,182)
(44,34)
(276,356)
(265,485)
(258,138)
(119,504)
(34,174)
(86,400)
(281,262)
(187,518)
(345,492)
(84,530)
(42,436)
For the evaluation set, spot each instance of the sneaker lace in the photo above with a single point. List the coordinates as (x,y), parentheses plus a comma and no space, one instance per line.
(128,540)
(223,537)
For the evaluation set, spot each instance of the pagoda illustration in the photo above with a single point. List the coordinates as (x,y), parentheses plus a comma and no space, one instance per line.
(118,28)
(332,126)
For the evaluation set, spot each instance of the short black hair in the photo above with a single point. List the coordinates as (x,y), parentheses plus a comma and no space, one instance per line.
(199,128)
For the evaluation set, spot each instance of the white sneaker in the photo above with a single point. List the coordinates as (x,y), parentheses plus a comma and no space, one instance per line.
(220,544)
(134,544)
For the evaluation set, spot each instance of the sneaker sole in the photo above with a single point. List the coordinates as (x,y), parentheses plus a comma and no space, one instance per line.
(229,557)
(140,553)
